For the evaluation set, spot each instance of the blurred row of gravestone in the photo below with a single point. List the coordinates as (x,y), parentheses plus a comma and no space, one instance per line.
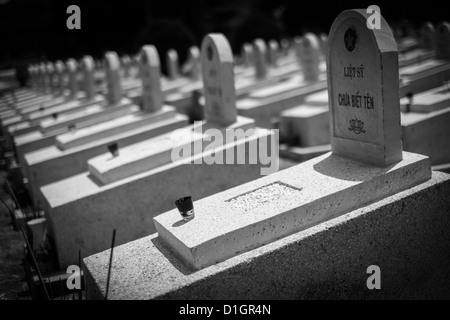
(62,127)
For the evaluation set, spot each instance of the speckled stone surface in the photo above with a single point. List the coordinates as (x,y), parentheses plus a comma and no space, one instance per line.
(318,189)
(405,234)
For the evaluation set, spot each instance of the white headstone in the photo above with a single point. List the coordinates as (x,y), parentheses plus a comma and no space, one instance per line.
(442,40)
(126,65)
(88,66)
(51,76)
(323,43)
(59,67)
(427,36)
(42,74)
(273,53)
(363,90)
(218,80)
(172,64)
(71,67)
(152,95)
(194,63)
(309,54)
(113,77)
(259,56)
(247,55)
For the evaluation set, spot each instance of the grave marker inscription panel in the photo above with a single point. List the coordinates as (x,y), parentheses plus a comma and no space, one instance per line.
(363,90)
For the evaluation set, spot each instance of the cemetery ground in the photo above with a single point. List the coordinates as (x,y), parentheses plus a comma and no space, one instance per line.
(12,286)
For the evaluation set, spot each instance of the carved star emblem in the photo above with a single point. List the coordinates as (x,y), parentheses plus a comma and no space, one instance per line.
(350,39)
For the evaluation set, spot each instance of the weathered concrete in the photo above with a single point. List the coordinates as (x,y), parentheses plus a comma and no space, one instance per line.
(406,235)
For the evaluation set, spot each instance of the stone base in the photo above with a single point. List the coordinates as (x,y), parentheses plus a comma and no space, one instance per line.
(286,202)
(406,235)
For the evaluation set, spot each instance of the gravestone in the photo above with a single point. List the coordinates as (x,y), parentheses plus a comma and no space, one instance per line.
(363,91)
(323,43)
(72,70)
(247,54)
(309,56)
(59,67)
(50,69)
(152,96)
(88,67)
(259,56)
(442,41)
(172,64)
(427,36)
(273,53)
(218,80)
(194,63)
(113,78)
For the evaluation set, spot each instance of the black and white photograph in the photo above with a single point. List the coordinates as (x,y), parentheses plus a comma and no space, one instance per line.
(226,154)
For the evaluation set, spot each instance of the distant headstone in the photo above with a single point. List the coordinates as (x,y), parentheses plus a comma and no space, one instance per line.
(194,63)
(59,67)
(50,68)
(218,80)
(172,64)
(113,77)
(71,67)
(88,66)
(285,45)
(323,43)
(363,90)
(442,40)
(152,95)
(42,74)
(427,36)
(126,65)
(259,56)
(309,54)
(273,53)
(247,55)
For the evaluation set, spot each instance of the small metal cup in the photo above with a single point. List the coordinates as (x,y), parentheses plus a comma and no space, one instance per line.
(114,149)
(186,208)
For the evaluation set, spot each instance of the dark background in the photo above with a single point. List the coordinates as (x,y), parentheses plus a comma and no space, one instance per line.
(33,30)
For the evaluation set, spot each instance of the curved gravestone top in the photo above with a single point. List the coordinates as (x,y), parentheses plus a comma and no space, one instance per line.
(309,56)
(152,95)
(442,39)
(363,90)
(194,62)
(259,57)
(88,66)
(59,67)
(112,64)
(427,36)
(247,54)
(273,52)
(72,68)
(172,64)
(218,80)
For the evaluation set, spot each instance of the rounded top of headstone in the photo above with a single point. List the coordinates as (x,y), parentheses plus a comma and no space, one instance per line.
(71,65)
(50,67)
(216,45)
(112,60)
(149,56)
(427,27)
(443,28)
(88,63)
(59,66)
(355,22)
(310,41)
(273,44)
(260,45)
(42,68)
(172,54)
(194,52)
